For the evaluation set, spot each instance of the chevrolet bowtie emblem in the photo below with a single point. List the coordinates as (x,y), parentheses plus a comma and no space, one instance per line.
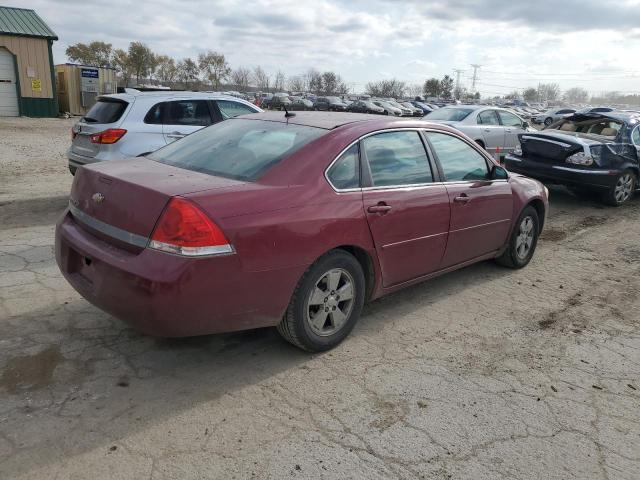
(97,197)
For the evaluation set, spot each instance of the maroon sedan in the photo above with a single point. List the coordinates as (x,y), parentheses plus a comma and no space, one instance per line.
(295,221)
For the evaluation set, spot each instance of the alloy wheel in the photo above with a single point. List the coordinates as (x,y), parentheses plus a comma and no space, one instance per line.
(624,187)
(524,240)
(330,302)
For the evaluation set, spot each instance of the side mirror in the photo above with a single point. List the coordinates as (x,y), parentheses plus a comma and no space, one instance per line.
(525,125)
(498,173)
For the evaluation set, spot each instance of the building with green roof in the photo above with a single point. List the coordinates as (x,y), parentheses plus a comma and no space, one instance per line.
(27,79)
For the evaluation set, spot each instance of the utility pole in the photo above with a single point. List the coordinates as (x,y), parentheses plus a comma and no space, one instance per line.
(458,72)
(475,76)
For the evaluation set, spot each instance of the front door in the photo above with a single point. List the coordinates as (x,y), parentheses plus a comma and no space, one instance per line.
(184,117)
(481,208)
(408,214)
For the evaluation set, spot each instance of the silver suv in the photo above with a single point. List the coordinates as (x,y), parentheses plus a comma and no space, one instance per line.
(135,123)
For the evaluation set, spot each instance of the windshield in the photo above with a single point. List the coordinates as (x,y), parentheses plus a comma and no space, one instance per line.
(604,127)
(450,114)
(237,148)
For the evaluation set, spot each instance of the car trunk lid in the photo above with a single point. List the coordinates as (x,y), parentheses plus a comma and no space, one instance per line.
(550,147)
(129,195)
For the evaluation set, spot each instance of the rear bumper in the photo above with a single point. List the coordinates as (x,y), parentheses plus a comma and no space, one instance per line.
(565,174)
(167,295)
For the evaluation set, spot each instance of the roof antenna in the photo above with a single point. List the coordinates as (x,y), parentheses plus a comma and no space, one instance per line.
(287,113)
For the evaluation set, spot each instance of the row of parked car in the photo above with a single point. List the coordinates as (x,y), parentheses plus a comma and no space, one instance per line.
(382,106)
(137,123)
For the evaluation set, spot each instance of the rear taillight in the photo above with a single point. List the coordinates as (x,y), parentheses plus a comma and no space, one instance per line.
(73,134)
(184,229)
(112,135)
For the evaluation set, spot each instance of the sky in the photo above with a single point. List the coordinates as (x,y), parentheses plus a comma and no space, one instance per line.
(575,43)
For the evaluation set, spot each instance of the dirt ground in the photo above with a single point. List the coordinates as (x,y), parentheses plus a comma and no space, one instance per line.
(485,373)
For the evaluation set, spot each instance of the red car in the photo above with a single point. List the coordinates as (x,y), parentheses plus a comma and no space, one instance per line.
(289,221)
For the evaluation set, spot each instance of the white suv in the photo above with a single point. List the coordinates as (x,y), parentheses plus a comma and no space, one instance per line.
(135,123)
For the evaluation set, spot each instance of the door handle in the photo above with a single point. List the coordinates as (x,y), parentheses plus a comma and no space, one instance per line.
(176,135)
(379,208)
(462,198)
(487,130)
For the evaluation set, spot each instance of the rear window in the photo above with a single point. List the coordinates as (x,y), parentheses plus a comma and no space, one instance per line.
(237,148)
(450,114)
(106,111)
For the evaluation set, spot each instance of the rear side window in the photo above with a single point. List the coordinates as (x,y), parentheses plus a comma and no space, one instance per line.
(156,114)
(229,109)
(188,112)
(488,117)
(345,172)
(238,148)
(106,111)
(459,161)
(396,159)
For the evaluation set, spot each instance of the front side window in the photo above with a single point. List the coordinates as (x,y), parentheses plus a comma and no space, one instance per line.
(229,109)
(459,161)
(238,148)
(396,159)
(188,112)
(345,172)
(488,117)
(509,119)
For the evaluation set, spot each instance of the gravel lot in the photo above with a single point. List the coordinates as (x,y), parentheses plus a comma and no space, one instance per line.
(484,373)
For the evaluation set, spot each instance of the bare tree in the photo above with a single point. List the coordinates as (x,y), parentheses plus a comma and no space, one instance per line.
(414,90)
(297,83)
(241,77)
(261,78)
(576,95)
(279,81)
(188,72)
(314,81)
(122,65)
(387,88)
(549,92)
(166,70)
(214,67)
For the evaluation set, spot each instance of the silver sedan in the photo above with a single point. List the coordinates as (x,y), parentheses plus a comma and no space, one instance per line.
(494,129)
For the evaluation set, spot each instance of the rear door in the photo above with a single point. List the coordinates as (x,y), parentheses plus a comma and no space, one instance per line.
(481,209)
(492,131)
(407,211)
(513,126)
(183,117)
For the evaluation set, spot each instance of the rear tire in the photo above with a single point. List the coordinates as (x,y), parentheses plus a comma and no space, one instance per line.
(623,189)
(326,303)
(523,241)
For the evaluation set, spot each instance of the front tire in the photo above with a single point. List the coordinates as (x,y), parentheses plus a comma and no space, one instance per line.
(623,189)
(523,241)
(326,303)
(548,121)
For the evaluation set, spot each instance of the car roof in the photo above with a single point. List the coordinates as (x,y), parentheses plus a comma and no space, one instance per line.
(332,120)
(163,95)
(621,116)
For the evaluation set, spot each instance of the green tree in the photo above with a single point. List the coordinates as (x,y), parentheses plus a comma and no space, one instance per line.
(432,88)
(122,64)
(141,59)
(99,54)
(187,72)
(446,86)
(214,67)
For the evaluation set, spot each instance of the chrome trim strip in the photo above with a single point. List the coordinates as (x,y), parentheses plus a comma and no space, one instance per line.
(580,170)
(541,139)
(398,187)
(481,225)
(413,240)
(110,230)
